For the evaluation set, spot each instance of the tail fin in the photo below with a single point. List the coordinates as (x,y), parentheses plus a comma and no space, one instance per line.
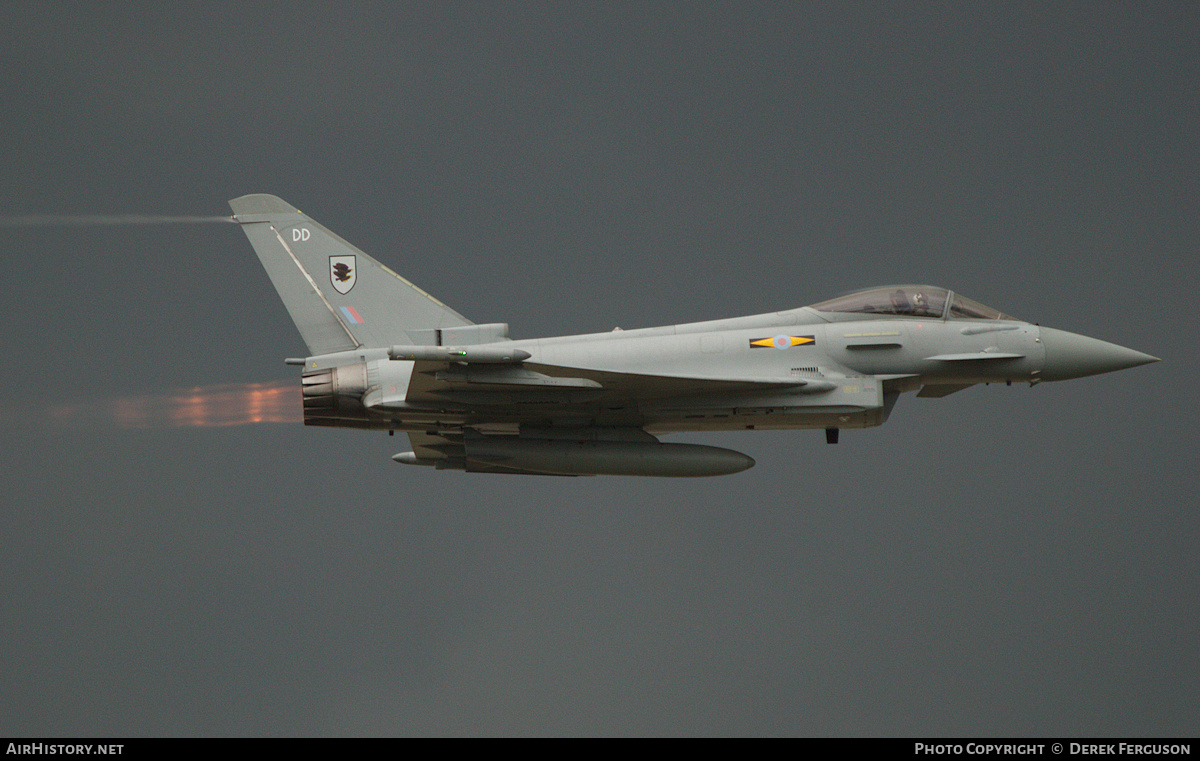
(339,297)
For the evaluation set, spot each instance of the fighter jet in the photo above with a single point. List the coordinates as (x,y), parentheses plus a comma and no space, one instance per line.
(384,355)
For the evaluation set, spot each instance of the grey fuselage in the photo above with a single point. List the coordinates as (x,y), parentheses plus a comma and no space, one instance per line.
(716,375)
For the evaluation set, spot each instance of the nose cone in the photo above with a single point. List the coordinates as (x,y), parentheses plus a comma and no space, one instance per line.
(1069,355)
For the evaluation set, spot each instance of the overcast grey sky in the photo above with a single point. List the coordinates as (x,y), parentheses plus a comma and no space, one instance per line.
(1002,561)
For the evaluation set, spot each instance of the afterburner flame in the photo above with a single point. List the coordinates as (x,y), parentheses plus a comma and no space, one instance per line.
(199,407)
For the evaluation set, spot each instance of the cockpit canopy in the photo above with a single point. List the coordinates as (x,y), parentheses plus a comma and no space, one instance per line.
(911,301)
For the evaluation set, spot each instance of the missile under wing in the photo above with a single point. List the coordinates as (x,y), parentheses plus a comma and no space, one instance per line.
(385,355)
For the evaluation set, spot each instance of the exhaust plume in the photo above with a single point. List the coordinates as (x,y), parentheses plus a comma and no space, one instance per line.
(224,404)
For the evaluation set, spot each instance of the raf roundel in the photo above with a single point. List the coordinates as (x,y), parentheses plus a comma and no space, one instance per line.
(781,342)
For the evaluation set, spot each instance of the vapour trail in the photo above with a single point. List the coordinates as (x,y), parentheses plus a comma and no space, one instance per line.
(83,220)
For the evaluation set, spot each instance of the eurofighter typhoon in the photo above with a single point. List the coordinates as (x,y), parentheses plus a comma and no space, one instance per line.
(387,356)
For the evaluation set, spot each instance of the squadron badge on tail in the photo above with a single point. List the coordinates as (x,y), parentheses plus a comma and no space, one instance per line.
(342,273)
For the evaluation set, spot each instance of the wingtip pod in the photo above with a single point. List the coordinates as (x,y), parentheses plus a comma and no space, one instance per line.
(410,458)
(480,354)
